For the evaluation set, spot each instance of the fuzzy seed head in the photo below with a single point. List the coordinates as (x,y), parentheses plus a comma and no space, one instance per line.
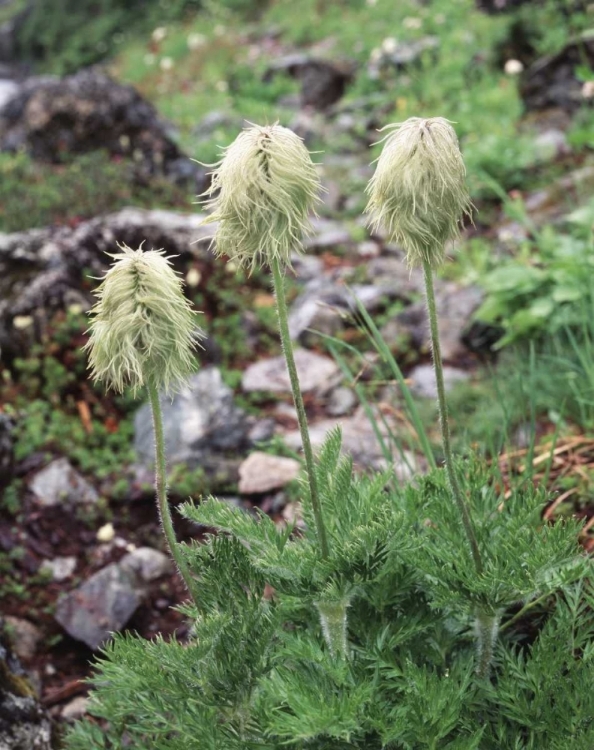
(143,330)
(418,192)
(262,193)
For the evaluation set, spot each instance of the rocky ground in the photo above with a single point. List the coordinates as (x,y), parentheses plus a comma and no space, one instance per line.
(81,553)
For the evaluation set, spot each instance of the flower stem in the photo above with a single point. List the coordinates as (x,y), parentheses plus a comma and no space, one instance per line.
(283,324)
(443,420)
(333,618)
(161,489)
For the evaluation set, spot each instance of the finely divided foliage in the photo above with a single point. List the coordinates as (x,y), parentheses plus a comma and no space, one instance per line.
(418,192)
(143,328)
(263,192)
(259,672)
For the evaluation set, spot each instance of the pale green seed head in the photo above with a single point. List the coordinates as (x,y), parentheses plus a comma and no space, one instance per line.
(143,330)
(262,193)
(418,192)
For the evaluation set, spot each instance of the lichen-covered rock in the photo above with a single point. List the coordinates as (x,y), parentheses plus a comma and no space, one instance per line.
(24,725)
(52,117)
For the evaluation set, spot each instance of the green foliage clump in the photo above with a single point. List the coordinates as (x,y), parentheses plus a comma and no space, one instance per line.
(41,426)
(263,670)
(42,392)
(34,194)
(65,35)
(185,482)
(544,288)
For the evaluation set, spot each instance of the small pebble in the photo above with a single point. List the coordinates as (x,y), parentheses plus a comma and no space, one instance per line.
(106,533)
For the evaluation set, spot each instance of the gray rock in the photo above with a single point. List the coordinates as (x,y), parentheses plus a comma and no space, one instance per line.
(332,195)
(368,249)
(361,442)
(455,307)
(341,401)
(60,568)
(8,89)
(147,563)
(75,709)
(400,55)
(316,373)
(24,637)
(307,267)
(261,430)
(370,296)
(24,724)
(262,472)
(100,606)
(285,414)
(201,424)
(214,120)
(511,234)
(322,83)
(551,144)
(391,281)
(320,307)
(393,276)
(423,384)
(327,235)
(58,483)
(406,53)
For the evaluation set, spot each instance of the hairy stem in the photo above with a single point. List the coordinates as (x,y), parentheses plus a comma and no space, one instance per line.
(161,489)
(487,628)
(333,618)
(283,324)
(443,420)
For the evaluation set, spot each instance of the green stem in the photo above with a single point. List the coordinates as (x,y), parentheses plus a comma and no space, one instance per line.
(283,324)
(161,489)
(443,420)
(526,608)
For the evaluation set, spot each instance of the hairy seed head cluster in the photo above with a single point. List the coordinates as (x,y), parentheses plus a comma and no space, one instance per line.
(143,330)
(418,192)
(262,193)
